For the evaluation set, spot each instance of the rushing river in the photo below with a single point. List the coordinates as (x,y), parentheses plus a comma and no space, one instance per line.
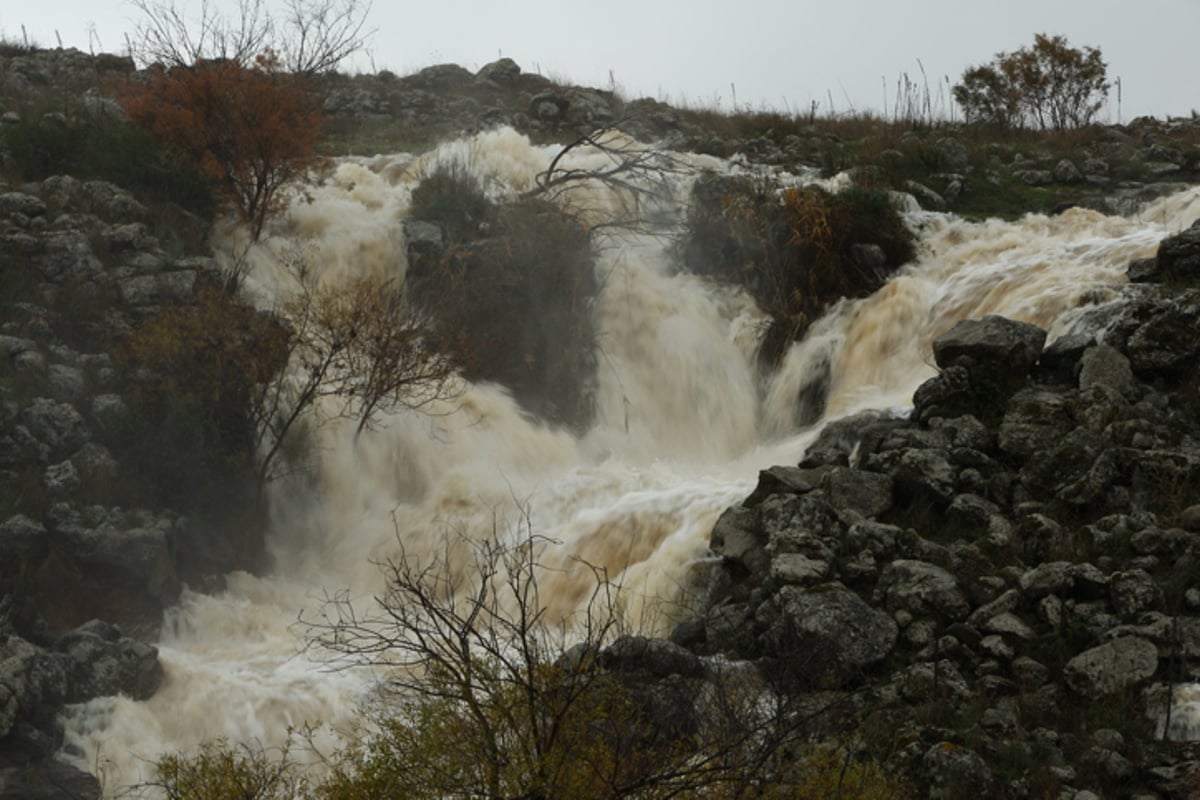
(684,422)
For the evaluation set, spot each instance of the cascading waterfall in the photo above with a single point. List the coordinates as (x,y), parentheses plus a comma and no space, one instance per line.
(683,424)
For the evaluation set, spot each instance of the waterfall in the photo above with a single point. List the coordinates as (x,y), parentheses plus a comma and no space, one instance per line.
(684,422)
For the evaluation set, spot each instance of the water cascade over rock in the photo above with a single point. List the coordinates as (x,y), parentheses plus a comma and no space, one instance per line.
(684,420)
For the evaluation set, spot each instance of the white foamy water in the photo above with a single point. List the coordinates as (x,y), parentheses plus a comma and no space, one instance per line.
(684,422)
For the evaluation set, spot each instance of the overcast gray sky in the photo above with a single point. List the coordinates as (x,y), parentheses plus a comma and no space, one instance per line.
(779,53)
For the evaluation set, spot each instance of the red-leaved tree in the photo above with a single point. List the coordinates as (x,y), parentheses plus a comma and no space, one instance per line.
(251,128)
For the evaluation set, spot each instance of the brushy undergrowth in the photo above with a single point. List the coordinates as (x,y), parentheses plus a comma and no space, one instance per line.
(103,149)
(796,251)
(511,294)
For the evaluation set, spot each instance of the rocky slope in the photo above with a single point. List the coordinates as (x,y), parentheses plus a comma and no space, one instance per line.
(78,269)
(1002,590)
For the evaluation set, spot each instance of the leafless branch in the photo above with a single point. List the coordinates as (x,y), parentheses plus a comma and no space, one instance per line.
(637,175)
(311,36)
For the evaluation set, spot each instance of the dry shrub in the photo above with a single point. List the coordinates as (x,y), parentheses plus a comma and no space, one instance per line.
(794,251)
(249,128)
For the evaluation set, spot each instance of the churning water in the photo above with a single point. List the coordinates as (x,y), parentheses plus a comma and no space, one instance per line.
(684,421)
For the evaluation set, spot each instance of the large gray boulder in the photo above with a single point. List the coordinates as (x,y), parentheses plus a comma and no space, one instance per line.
(738,538)
(132,553)
(51,779)
(990,346)
(827,635)
(1107,367)
(652,657)
(23,541)
(101,662)
(69,257)
(1166,341)
(922,589)
(866,493)
(30,680)
(954,771)
(1179,255)
(1111,667)
(56,425)
(926,474)
(1034,416)
(502,71)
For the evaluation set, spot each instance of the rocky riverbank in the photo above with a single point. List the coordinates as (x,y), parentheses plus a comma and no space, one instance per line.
(1001,590)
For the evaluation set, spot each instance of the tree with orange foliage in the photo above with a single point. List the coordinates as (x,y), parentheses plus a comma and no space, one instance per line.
(233,95)
(250,128)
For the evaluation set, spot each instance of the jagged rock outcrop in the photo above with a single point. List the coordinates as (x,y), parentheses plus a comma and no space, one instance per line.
(1020,542)
(39,673)
(82,270)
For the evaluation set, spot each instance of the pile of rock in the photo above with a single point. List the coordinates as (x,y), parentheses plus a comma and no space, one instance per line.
(1005,581)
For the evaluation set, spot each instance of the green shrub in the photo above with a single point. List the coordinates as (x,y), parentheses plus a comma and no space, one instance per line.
(453,197)
(826,771)
(195,370)
(220,770)
(105,149)
(1050,86)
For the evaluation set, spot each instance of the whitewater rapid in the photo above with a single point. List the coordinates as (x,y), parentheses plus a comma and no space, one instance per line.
(684,422)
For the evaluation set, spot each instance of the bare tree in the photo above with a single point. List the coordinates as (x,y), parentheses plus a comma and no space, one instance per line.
(361,345)
(489,696)
(635,175)
(320,34)
(311,36)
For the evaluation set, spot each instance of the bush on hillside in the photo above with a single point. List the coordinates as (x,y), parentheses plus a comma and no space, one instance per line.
(195,368)
(102,148)
(1050,86)
(453,198)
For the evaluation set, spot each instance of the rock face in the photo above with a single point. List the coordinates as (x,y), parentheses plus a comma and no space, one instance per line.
(85,271)
(39,672)
(1179,255)
(1022,545)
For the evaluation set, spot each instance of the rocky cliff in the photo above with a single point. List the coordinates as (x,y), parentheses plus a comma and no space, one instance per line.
(1000,589)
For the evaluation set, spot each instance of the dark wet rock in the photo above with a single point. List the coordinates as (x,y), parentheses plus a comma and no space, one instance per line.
(101,662)
(991,347)
(49,779)
(1033,417)
(925,475)
(1179,255)
(1133,592)
(777,480)
(825,636)
(955,771)
(56,425)
(946,394)
(865,493)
